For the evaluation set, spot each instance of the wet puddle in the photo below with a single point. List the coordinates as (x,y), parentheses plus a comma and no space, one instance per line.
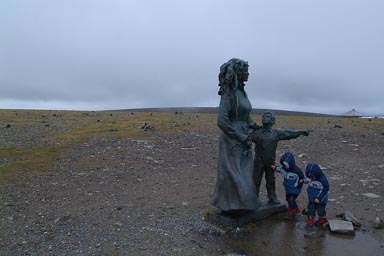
(275,236)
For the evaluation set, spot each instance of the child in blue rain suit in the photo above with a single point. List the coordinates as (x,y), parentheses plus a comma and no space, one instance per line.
(293,182)
(317,190)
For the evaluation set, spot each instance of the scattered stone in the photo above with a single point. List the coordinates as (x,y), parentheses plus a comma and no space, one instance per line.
(236,254)
(9,204)
(112,130)
(371,195)
(348,216)
(379,224)
(61,219)
(146,127)
(341,227)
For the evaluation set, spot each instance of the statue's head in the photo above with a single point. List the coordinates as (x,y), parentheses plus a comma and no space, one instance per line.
(232,74)
(268,118)
(241,70)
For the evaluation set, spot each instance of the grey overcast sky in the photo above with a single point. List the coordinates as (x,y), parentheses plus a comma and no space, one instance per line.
(324,56)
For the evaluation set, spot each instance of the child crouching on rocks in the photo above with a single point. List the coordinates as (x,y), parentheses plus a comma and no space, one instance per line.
(317,190)
(293,182)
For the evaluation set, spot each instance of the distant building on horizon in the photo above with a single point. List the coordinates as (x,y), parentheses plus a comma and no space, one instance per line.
(352,113)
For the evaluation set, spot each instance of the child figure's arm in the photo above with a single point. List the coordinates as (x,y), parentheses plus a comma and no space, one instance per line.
(278,169)
(287,134)
(284,172)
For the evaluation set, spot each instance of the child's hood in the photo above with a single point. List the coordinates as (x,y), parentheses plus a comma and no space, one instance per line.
(288,160)
(313,170)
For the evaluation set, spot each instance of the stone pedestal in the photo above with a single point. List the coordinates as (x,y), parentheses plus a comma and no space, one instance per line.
(231,221)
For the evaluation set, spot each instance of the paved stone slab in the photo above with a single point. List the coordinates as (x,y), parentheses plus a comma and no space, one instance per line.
(341,226)
(265,210)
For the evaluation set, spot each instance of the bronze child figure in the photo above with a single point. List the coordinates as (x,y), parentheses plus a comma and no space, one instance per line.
(266,140)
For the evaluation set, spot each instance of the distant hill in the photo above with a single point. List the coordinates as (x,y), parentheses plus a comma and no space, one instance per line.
(214,110)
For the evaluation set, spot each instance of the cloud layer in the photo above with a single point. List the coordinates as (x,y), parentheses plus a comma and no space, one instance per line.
(323,56)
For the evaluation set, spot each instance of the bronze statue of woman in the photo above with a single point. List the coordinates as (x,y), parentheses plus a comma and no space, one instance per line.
(235,191)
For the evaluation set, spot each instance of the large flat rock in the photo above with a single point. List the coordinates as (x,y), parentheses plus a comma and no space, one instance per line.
(230,221)
(341,227)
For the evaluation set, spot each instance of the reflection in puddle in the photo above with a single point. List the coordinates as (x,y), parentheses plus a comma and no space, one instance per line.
(275,236)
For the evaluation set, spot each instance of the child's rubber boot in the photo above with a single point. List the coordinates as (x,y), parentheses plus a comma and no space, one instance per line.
(310,222)
(321,222)
(296,210)
(290,214)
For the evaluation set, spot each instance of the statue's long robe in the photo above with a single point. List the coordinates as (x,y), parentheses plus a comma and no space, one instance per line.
(235,189)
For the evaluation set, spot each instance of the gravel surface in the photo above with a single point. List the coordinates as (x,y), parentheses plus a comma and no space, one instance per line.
(147,194)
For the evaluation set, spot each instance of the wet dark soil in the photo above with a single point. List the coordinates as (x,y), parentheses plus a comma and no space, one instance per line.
(148,194)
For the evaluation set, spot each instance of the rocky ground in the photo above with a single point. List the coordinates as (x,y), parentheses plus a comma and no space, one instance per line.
(114,188)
